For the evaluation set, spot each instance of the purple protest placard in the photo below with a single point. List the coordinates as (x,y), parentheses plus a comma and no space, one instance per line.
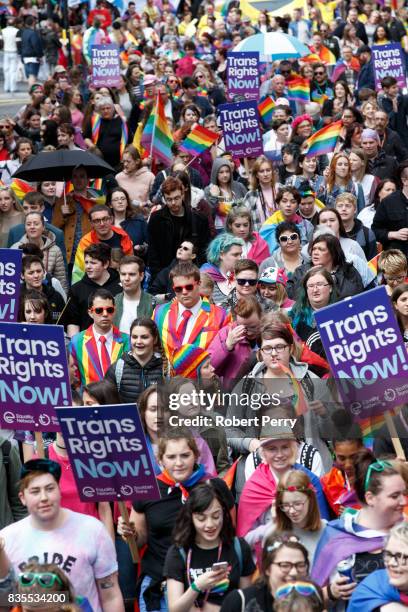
(241,128)
(105,66)
(388,60)
(108,453)
(243,76)
(366,352)
(33,376)
(10,283)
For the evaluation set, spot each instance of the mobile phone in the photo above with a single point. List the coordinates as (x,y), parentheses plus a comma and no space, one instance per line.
(218,566)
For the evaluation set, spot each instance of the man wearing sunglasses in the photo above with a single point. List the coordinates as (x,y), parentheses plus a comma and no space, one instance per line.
(94,349)
(79,544)
(320,86)
(161,286)
(188,319)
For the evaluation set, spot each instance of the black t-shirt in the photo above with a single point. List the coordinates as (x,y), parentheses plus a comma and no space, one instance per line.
(114,242)
(257,598)
(202,560)
(110,135)
(366,563)
(160,519)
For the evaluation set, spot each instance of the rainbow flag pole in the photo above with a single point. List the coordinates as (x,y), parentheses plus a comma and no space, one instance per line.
(198,141)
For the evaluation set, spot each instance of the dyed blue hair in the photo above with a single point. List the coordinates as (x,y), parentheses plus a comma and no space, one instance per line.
(220,245)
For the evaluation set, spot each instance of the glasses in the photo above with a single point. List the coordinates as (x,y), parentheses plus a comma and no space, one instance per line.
(319,73)
(303,588)
(184,248)
(286,566)
(397,558)
(180,288)
(378,466)
(247,281)
(200,76)
(99,310)
(101,221)
(297,505)
(291,238)
(279,348)
(395,279)
(46,579)
(173,200)
(317,286)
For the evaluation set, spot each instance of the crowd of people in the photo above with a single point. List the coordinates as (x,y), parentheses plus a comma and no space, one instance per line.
(206,274)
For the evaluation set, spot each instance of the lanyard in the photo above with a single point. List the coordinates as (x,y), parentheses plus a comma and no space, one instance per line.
(189,554)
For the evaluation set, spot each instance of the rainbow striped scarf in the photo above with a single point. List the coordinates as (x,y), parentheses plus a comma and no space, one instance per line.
(96,129)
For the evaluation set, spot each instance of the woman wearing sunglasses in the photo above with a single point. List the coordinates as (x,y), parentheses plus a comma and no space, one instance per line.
(288,256)
(154,521)
(318,291)
(47,580)
(284,560)
(358,538)
(239,224)
(386,589)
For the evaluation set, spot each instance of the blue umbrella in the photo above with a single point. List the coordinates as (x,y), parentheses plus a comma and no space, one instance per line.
(274,46)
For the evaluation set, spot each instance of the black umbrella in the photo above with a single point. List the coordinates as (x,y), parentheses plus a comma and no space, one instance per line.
(58,166)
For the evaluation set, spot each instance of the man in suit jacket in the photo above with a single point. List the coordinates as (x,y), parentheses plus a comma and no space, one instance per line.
(188,319)
(132,302)
(94,349)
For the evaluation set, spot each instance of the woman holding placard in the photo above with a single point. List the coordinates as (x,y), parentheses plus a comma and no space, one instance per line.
(152,522)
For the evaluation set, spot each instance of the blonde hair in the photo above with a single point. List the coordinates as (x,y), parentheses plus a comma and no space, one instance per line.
(346,197)
(254,181)
(400,532)
(392,261)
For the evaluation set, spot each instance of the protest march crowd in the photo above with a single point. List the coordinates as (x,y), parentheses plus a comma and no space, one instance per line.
(244,196)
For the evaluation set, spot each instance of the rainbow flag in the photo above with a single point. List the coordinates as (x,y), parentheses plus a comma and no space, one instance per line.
(146,138)
(266,109)
(162,138)
(198,140)
(299,90)
(373,264)
(324,140)
(313,58)
(20,188)
(326,56)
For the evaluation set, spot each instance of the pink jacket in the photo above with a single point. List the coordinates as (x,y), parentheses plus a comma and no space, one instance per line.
(227,363)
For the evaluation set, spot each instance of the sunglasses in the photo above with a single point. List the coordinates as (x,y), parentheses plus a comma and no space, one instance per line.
(99,310)
(319,73)
(180,288)
(46,579)
(247,281)
(292,237)
(303,588)
(184,248)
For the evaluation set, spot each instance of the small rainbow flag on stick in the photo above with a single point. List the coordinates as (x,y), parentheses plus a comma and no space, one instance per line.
(198,140)
(324,140)
(266,109)
(162,138)
(299,90)
(20,188)
(373,264)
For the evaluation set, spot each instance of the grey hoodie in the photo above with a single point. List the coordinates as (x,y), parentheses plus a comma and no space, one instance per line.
(238,189)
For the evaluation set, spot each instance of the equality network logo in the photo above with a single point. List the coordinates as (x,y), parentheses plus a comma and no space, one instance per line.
(9,417)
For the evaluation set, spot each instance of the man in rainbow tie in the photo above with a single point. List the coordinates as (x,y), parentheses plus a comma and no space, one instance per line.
(94,349)
(189,318)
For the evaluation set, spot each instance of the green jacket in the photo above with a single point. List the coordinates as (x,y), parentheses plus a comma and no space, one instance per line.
(11,508)
(145,308)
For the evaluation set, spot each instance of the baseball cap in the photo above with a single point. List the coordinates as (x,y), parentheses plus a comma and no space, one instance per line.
(273,275)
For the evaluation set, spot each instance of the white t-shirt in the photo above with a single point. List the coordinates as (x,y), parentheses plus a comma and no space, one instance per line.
(82,548)
(129,314)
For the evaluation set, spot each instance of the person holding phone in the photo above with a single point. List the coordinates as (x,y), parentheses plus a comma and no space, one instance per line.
(206,561)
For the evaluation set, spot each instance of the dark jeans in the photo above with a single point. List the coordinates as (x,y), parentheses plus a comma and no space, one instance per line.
(127,573)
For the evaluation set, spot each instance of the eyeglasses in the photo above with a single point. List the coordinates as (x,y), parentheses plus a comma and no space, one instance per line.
(173,200)
(303,588)
(286,566)
(247,281)
(395,279)
(45,579)
(292,238)
(188,287)
(99,310)
(200,76)
(101,221)
(297,505)
(378,466)
(397,558)
(279,348)
(317,286)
